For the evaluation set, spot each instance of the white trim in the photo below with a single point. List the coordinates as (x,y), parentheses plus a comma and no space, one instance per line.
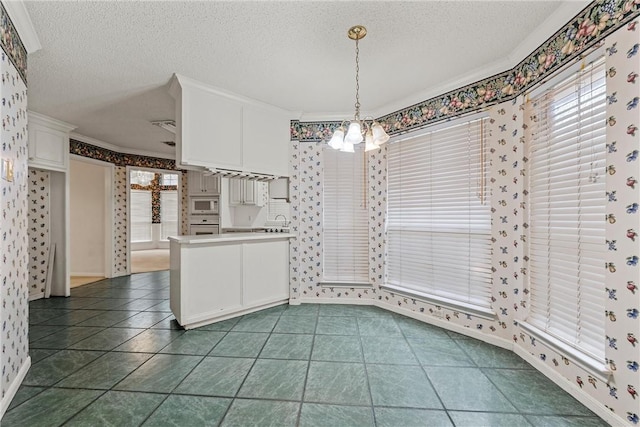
(49,122)
(595,367)
(556,20)
(22,21)
(182,81)
(335,284)
(119,149)
(444,324)
(564,383)
(15,385)
(473,333)
(108,206)
(474,310)
(87,274)
(33,297)
(336,300)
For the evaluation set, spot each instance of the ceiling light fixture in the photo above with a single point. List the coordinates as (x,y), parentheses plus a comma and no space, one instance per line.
(367,130)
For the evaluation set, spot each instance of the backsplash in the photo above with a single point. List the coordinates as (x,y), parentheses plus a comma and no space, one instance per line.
(39,220)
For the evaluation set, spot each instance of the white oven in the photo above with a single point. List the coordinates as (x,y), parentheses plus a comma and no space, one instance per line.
(204,224)
(203,205)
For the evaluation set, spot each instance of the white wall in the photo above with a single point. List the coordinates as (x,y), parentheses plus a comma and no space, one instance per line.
(88,195)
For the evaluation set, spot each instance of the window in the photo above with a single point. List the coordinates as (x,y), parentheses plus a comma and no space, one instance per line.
(566,180)
(169,214)
(345,217)
(439,217)
(141,177)
(169,179)
(141,216)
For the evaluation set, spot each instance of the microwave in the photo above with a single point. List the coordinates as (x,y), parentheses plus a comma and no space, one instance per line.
(203,205)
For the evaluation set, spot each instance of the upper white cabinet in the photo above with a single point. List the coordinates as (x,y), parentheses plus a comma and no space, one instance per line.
(203,184)
(48,142)
(247,192)
(266,141)
(221,130)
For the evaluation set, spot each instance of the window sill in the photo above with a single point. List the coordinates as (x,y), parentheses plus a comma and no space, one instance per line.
(337,284)
(595,367)
(474,310)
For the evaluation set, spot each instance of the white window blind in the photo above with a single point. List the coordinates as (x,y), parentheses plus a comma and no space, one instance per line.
(567,210)
(141,216)
(169,214)
(439,218)
(345,217)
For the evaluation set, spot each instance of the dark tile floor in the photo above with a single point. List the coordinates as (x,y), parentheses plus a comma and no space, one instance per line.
(112,354)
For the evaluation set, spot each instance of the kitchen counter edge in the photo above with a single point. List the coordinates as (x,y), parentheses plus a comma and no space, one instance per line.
(231,237)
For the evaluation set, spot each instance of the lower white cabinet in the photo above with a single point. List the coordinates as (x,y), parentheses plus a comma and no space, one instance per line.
(217,277)
(247,192)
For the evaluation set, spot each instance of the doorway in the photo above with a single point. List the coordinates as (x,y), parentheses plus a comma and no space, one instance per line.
(90,219)
(154,215)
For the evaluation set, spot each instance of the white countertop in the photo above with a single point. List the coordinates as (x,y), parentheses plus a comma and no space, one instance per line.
(230,237)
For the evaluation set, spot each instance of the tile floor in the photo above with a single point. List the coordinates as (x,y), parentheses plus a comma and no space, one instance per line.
(112,354)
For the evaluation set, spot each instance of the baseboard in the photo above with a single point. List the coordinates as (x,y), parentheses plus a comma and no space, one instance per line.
(33,297)
(13,388)
(587,400)
(93,274)
(346,301)
(497,341)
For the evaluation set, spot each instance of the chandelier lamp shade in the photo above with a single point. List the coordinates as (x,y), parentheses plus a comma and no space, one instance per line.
(367,130)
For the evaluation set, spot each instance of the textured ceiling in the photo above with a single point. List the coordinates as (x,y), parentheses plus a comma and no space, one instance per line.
(104,66)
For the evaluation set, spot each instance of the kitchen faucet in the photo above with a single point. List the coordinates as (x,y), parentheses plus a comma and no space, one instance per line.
(285,223)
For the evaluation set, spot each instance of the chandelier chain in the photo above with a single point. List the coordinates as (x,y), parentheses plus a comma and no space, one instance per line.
(357,104)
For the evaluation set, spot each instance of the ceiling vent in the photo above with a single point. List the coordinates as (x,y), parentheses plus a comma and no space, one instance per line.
(168,125)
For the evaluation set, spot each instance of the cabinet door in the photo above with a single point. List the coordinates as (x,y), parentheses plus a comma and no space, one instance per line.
(236,191)
(194,183)
(48,148)
(249,192)
(210,184)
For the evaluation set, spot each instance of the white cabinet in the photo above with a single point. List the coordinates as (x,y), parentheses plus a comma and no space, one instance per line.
(48,142)
(247,192)
(266,141)
(213,278)
(203,184)
(221,130)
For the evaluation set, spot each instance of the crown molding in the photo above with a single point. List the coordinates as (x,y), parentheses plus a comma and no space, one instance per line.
(37,118)
(180,81)
(555,22)
(120,149)
(22,21)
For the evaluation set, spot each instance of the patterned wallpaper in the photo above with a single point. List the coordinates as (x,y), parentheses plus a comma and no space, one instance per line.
(120,232)
(508,130)
(589,27)
(12,45)
(39,220)
(121,161)
(14,253)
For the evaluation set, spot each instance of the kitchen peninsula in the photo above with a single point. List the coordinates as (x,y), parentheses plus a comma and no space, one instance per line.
(216,277)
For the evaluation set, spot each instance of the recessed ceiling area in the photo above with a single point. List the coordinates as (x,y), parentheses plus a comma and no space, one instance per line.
(105,66)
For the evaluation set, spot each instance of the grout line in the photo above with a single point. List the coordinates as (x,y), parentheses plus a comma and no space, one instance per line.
(366,372)
(306,377)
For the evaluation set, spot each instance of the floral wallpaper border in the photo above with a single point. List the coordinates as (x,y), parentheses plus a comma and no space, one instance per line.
(12,44)
(119,159)
(586,29)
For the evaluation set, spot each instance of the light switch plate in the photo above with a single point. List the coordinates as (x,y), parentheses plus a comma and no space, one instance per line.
(7,170)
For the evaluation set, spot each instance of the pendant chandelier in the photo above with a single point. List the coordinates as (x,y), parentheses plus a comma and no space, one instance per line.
(367,130)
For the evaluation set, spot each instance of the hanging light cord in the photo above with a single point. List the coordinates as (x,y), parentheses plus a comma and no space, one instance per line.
(357,104)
